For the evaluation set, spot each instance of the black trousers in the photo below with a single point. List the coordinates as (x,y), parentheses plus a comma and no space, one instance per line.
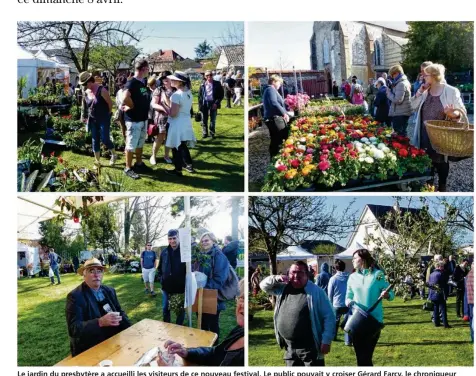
(364,347)
(302,358)
(211,323)
(278,132)
(181,156)
(459,301)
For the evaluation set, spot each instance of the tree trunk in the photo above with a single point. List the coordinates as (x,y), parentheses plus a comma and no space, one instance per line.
(127,225)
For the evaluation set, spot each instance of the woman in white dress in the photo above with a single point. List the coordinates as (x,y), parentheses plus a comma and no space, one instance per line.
(180,132)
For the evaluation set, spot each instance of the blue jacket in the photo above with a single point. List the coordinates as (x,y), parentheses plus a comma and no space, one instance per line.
(323,277)
(438,283)
(216,270)
(231,251)
(337,288)
(273,103)
(320,309)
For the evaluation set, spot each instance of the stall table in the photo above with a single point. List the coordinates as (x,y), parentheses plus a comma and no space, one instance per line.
(128,346)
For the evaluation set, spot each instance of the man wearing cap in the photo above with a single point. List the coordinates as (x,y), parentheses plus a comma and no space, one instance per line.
(172,273)
(93,313)
(136,106)
(210,96)
(148,263)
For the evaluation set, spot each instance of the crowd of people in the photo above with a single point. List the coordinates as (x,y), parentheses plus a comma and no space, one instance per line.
(156,107)
(393,101)
(321,307)
(94,314)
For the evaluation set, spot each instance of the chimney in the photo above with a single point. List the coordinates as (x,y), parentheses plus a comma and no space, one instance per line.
(160,53)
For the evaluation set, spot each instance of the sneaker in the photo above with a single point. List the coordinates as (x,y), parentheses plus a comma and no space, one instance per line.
(447,327)
(174,172)
(146,291)
(204,136)
(189,169)
(153,293)
(213,136)
(130,172)
(113,159)
(168,160)
(152,160)
(348,344)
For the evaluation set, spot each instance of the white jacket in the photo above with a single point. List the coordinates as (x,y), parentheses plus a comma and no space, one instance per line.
(450,95)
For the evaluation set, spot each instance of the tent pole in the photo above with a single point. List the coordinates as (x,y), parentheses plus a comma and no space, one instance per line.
(188,264)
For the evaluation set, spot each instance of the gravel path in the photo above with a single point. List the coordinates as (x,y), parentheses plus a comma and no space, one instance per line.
(460,178)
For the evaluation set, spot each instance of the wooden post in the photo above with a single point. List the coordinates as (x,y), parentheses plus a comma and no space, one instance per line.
(188,264)
(200,307)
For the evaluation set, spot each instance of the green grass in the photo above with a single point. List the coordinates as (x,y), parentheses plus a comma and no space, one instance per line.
(219,162)
(42,331)
(408,339)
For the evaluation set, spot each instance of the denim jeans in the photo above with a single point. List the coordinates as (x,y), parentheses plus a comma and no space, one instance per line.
(470,315)
(459,301)
(341,312)
(166,310)
(208,111)
(100,131)
(439,307)
(56,271)
(302,358)
(400,124)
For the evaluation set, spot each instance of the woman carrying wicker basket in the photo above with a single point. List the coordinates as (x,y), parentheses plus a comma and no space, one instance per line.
(435,100)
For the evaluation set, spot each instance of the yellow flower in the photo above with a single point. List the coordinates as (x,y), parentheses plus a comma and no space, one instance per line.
(290,173)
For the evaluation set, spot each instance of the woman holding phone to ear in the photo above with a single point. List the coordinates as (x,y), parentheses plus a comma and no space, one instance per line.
(435,100)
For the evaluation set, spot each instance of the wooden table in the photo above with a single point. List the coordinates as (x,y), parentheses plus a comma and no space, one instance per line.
(126,347)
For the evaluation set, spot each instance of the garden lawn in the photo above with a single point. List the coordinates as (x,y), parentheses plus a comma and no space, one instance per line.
(219,162)
(408,339)
(42,330)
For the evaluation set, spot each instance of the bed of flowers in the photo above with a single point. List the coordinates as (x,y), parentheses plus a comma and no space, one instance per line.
(330,152)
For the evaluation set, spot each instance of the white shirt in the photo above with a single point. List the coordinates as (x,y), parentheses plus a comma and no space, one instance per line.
(209,90)
(181,125)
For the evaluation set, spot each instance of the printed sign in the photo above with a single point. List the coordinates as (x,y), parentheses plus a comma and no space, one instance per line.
(185,236)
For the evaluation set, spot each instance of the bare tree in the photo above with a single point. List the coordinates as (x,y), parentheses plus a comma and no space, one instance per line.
(154,212)
(282,62)
(277,222)
(130,211)
(74,39)
(233,35)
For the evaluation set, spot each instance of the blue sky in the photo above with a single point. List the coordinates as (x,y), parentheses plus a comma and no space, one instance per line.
(182,37)
(342,202)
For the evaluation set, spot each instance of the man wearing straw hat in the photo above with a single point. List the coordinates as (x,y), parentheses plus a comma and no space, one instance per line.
(93,313)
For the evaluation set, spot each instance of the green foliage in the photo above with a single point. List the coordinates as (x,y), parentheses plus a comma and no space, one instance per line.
(21,84)
(30,151)
(324,249)
(447,43)
(203,49)
(51,232)
(110,58)
(78,140)
(101,227)
(259,301)
(176,303)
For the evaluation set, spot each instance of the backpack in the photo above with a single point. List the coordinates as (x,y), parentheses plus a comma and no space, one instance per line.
(230,289)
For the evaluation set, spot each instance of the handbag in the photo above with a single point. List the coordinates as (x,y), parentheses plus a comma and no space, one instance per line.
(152,130)
(198,117)
(428,306)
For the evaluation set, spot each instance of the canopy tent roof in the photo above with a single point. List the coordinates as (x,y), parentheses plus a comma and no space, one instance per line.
(42,56)
(27,59)
(294,253)
(33,209)
(348,253)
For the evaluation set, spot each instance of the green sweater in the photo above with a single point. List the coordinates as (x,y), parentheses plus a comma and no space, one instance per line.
(364,288)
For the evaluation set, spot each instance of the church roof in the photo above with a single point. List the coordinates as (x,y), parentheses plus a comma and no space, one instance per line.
(398,40)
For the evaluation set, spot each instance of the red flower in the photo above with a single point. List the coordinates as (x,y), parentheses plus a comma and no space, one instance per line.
(350,146)
(324,165)
(323,157)
(338,157)
(295,163)
(353,154)
(281,168)
(403,153)
(339,149)
(52,154)
(397,145)
(75,219)
(60,160)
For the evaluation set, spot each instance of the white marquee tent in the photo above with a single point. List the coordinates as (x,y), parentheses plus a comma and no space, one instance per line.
(29,65)
(294,253)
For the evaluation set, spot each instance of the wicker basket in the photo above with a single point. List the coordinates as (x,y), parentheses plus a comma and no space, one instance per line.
(451,138)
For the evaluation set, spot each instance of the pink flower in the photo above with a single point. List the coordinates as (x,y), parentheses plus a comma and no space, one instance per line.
(295,163)
(323,157)
(338,157)
(339,149)
(309,151)
(324,165)
(281,168)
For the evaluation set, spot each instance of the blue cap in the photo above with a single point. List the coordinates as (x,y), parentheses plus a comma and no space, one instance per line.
(172,232)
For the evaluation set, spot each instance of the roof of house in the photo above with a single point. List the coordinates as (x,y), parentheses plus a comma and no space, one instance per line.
(189,63)
(311,244)
(381,211)
(165,56)
(235,54)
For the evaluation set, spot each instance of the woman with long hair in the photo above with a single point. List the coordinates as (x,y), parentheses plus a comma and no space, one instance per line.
(180,131)
(161,105)
(435,100)
(364,288)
